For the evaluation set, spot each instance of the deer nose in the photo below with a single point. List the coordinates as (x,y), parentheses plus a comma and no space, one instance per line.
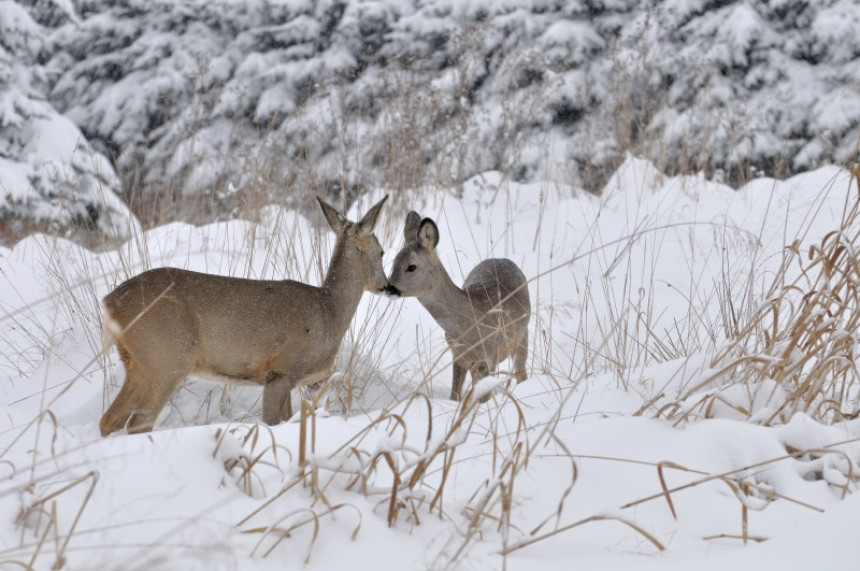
(391,291)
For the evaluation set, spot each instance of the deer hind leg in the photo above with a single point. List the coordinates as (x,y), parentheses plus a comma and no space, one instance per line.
(143,393)
(277,404)
(520,356)
(131,396)
(121,408)
(457,382)
(148,408)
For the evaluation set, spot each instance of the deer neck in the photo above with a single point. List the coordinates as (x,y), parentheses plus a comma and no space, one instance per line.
(342,287)
(448,304)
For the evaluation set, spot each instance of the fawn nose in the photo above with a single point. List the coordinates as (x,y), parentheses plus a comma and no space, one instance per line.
(391,291)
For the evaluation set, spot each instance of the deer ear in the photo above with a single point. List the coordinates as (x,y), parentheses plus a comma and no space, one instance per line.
(428,234)
(368,221)
(335,219)
(410,230)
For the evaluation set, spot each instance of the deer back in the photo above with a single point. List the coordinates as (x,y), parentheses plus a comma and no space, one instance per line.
(223,326)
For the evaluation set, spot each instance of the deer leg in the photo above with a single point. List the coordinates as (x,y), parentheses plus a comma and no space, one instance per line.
(151,378)
(277,404)
(115,417)
(478,373)
(520,357)
(457,381)
(118,413)
(152,403)
(131,402)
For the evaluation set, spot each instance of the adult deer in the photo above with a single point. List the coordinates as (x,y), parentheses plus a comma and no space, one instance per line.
(170,323)
(485,321)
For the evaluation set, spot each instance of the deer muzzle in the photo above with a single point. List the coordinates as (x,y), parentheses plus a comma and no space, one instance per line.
(391,291)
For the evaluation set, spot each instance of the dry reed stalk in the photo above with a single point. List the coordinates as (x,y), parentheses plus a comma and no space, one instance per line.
(53,522)
(247,463)
(801,338)
(568,527)
(742,489)
(744,538)
(283,533)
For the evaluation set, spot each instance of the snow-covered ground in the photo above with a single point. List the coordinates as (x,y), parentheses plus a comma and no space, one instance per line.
(580,465)
(199,97)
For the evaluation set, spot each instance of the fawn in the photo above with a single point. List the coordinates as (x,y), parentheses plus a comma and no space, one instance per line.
(485,321)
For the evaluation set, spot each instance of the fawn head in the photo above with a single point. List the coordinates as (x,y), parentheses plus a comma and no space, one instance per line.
(358,244)
(417,268)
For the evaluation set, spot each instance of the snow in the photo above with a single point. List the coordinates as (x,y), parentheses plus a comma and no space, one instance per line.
(637,442)
(569,41)
(545,90)
(626,317)
(833,27)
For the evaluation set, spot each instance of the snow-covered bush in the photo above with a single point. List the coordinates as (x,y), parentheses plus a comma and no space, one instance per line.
(209,108)
(50,177)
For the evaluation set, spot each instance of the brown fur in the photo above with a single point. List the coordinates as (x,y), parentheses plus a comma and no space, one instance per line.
(485,321)
(169,323)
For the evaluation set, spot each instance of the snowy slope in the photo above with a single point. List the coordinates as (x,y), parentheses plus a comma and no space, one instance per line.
(628,295)
(202,98)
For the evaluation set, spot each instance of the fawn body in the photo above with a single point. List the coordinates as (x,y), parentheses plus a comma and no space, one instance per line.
(170,323)
(485,321)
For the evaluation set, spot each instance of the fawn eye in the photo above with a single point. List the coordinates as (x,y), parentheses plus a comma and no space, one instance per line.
(411,268)
(382,253)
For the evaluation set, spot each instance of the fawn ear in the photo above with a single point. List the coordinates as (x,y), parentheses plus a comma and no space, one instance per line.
(368,221)
(428,234)
(335,219)
(410,230)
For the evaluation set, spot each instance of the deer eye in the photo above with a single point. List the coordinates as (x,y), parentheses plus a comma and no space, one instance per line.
(411,268)
(382,253)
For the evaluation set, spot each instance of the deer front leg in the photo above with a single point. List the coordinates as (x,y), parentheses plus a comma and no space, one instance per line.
(520,356)
(277,405)
(481,371)
(457,381)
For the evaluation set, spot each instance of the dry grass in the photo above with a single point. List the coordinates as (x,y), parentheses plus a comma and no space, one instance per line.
(407,482)
(800,340)
(797,350)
